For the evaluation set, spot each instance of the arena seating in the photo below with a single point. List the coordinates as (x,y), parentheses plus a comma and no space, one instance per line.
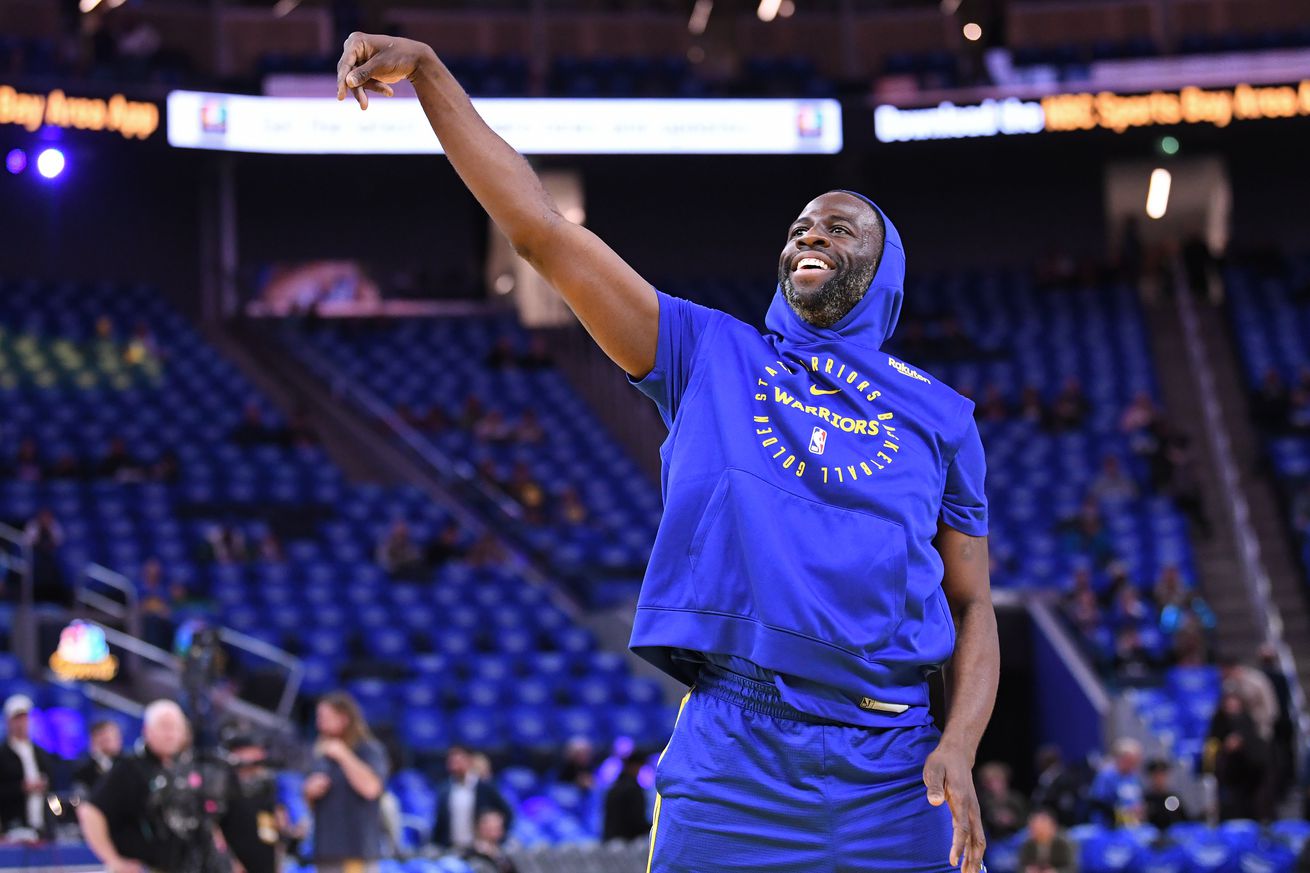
(473,654)
(421,364)
(1270,319)
(1184,848)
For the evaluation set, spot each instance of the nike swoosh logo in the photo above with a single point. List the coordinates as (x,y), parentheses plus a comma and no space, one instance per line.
(815,389)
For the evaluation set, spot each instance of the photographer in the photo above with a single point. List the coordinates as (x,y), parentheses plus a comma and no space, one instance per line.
(249,758)
(156,808)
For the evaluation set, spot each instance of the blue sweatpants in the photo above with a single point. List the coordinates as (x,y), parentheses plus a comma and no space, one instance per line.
(747,783)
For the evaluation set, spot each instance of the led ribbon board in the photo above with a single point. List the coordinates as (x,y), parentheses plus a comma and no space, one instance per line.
(1105,110)
(298,125)
(131,119)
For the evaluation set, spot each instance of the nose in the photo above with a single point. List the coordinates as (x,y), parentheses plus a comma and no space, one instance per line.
(813,238)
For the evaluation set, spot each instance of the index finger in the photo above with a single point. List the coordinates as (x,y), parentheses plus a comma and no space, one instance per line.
(350,57)
(976,840)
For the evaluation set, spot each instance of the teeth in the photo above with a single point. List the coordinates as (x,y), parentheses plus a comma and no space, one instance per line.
(811,262)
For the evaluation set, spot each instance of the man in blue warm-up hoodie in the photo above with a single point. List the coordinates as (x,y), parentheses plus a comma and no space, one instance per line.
(823,547)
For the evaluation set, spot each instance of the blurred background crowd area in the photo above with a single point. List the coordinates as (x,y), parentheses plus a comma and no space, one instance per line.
(396,480)
(592,49)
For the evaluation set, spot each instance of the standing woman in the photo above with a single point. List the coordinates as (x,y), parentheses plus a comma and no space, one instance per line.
(344,787)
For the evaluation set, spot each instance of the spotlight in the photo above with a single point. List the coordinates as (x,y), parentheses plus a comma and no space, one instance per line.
(1169,145)
(768,9)
(1157,194)
(16,161)
(50,163)
(700,16)
(972,32)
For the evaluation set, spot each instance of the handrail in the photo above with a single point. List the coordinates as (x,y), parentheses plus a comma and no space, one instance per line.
(25,641)
(1254,575)
(129,609)
(137,646)
(164,658)
(295,666)
(422,445)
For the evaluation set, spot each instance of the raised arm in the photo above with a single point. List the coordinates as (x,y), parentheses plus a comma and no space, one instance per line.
(616,306)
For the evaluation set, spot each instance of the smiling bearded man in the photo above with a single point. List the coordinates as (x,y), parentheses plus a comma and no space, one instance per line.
(823,547)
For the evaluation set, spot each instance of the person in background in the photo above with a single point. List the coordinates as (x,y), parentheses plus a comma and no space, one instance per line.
(249,760)
(1284,735)
(1030,406)
(625,804)
(1059,789)
(45,537)
(1139,415)
(1163,806)
(156,604)
(1046,850)
(1259,697)
(1117,795)
(104,746)
(448,545)
(529,430)
(993,406)
(487,852)
(344,787)
(1113,483)
(119,464)
(270,548)
(24,771)
(462,799)
(578,764)
(120,819)
(27,462)
(571,507)
(398,554)
(225,544)
(502,355)
(480,765)
(1238,755)
(1133,662)
(1069,408)
(1002,808)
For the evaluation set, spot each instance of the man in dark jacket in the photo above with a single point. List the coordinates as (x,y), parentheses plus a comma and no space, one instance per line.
(24,770)
(106,744)
(462,800)
(625,804)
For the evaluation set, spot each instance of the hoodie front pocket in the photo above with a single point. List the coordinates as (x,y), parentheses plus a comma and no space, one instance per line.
(830,573)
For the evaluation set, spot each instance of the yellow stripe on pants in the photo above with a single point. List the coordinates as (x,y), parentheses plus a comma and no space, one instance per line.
(655,817)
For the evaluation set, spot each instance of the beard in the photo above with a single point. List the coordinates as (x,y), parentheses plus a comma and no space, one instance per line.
(829,303)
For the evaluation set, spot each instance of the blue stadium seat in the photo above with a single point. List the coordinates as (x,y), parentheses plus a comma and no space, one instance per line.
(1109,852)
(479,728)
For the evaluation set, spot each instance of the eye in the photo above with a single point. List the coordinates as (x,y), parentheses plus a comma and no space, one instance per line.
(839,228)
(797,231)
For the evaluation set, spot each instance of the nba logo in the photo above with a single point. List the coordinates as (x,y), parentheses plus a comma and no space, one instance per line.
(818,440)
(213,116)
(809,121)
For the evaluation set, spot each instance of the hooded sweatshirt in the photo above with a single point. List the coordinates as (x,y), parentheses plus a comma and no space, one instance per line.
(804,475)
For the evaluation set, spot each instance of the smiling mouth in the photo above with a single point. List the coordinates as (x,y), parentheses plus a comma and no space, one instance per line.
(811,263)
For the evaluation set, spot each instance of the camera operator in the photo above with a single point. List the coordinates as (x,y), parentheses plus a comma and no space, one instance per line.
(249,758)
(156,808)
